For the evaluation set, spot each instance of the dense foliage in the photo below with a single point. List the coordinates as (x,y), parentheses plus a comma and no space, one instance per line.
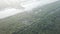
(41,20)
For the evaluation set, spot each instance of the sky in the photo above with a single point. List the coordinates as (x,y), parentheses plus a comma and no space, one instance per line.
(12,7)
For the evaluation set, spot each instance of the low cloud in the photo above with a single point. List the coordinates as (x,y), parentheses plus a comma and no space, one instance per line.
(15,6)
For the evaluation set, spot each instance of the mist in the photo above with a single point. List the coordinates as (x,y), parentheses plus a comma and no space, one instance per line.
(12,7)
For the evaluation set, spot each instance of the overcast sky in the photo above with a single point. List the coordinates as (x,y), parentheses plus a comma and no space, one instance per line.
(12,7)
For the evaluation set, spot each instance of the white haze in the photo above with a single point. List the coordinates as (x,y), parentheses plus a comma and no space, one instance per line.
(12,7)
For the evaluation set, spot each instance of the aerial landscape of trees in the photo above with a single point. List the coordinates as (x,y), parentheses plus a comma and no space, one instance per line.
(41,20)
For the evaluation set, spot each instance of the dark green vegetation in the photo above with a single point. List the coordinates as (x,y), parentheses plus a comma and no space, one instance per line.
(41,20)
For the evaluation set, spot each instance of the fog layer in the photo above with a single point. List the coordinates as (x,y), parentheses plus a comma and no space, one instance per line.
(12,7)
